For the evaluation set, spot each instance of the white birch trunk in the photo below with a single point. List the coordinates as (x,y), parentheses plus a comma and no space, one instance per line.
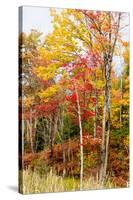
(121,88)
(30,131)
(81,139)
(95,117)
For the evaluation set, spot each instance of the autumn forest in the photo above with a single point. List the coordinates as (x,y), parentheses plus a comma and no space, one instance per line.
(74,103)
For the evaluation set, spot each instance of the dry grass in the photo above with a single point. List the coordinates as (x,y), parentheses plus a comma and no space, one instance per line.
(93,183)
(34,183)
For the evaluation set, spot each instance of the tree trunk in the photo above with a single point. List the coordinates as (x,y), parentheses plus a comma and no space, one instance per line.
(30,134)
(107,95)
(51,141)
(23,130)
(62,138)
(121,89)
(34,134)
(49,128)
(96,115)
(62,127)
(81,139)
(103,134)
(108,131)
(27,131)
(53,132)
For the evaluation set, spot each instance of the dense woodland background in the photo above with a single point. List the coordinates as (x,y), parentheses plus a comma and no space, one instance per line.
(74,103)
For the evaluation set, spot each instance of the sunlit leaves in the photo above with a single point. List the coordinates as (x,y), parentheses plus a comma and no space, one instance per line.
(45,73)
(49,92)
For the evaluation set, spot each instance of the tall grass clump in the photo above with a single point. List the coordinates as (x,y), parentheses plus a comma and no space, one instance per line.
(33,182)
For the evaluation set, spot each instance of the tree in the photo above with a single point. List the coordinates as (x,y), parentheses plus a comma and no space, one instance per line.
(78,91)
